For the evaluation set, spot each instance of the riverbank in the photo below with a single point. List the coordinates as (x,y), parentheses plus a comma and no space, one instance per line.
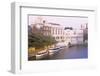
(73,52)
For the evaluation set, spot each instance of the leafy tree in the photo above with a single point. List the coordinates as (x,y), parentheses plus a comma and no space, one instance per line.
(38,40)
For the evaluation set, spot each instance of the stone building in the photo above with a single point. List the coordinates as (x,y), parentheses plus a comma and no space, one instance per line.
(60,33)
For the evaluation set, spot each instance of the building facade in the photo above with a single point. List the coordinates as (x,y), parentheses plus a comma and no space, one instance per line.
(60,33)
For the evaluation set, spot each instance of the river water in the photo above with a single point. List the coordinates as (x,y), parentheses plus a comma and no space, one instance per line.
(74,52)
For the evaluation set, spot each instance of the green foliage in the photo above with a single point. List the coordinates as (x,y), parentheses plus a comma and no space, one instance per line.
(38,40)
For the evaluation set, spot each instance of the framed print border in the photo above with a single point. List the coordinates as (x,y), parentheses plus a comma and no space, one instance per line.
(16,30)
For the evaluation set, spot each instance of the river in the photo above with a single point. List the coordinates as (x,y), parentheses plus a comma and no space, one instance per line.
(74,52)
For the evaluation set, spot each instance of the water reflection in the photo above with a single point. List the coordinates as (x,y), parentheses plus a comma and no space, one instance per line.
(73,52)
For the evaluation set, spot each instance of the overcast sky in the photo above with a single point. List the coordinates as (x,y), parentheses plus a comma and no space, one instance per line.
(74,22)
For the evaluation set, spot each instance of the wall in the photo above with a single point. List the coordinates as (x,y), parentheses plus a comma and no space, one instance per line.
(5,33)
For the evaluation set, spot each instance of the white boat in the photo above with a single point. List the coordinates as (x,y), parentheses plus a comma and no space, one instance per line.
(54,50)
(41,55)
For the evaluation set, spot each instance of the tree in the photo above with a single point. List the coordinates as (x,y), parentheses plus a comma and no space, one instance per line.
(38,40)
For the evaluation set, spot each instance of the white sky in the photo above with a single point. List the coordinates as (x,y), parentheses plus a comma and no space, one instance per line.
(74,22)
